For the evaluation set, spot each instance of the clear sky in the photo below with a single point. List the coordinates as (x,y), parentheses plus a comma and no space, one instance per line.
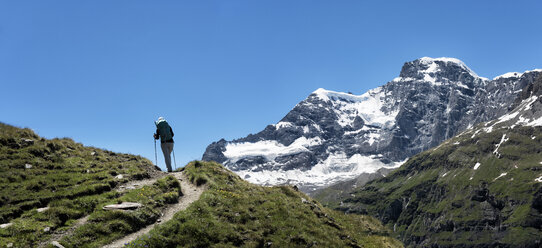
(101,72)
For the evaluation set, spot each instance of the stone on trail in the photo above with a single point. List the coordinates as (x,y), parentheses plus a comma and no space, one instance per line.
(123,206)
(6,225)
(41,210)
(56,244)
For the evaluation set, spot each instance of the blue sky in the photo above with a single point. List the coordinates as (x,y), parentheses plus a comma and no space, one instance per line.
(101,72)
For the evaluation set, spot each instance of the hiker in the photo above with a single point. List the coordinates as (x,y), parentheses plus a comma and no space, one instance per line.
(165,133)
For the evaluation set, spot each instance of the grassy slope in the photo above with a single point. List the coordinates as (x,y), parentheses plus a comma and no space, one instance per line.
(438,198)
(70,179)
(235,213)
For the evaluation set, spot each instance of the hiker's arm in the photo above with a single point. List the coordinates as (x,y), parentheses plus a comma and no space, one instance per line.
(156,134)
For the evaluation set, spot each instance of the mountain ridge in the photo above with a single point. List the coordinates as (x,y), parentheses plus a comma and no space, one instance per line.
(334,136)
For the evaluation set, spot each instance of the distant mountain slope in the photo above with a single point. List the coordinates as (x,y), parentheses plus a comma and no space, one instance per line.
(235,213)
(334,136)
(482,188)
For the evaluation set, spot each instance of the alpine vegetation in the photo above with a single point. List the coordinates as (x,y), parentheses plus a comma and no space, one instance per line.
(334,136)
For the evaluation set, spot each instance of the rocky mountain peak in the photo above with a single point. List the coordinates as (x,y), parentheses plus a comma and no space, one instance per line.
(438,70)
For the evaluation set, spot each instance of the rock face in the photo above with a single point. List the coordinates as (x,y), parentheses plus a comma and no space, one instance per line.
(482,188)
(333,136)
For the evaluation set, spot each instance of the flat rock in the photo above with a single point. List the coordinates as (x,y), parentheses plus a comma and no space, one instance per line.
(123,206)
(56,244)
(27,142)
(41,210)
(6,225)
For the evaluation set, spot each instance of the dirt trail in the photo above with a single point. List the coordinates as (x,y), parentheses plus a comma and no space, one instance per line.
(191,193)
(58,235)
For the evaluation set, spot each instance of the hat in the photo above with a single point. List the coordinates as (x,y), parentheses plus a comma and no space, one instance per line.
(160,119)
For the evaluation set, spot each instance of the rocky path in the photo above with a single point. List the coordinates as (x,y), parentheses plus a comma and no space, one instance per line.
(191,193)
(57,236)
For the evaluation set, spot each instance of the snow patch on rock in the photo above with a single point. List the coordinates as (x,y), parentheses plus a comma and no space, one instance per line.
(501,175)
(337,167)
(270,149)
(515,74)
(503,139)
(368,106)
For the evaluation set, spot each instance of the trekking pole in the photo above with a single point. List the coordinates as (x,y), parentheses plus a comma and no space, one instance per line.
(155,156)
(174,161)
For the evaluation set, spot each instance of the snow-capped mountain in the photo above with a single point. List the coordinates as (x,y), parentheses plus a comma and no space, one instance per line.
(334,136)
(484,182)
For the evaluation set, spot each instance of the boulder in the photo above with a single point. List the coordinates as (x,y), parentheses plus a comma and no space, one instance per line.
(28,166)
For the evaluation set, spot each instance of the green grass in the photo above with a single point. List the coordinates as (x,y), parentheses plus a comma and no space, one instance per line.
(235,213)
(71,179)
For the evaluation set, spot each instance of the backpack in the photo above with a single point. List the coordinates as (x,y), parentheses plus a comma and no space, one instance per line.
(164,130)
